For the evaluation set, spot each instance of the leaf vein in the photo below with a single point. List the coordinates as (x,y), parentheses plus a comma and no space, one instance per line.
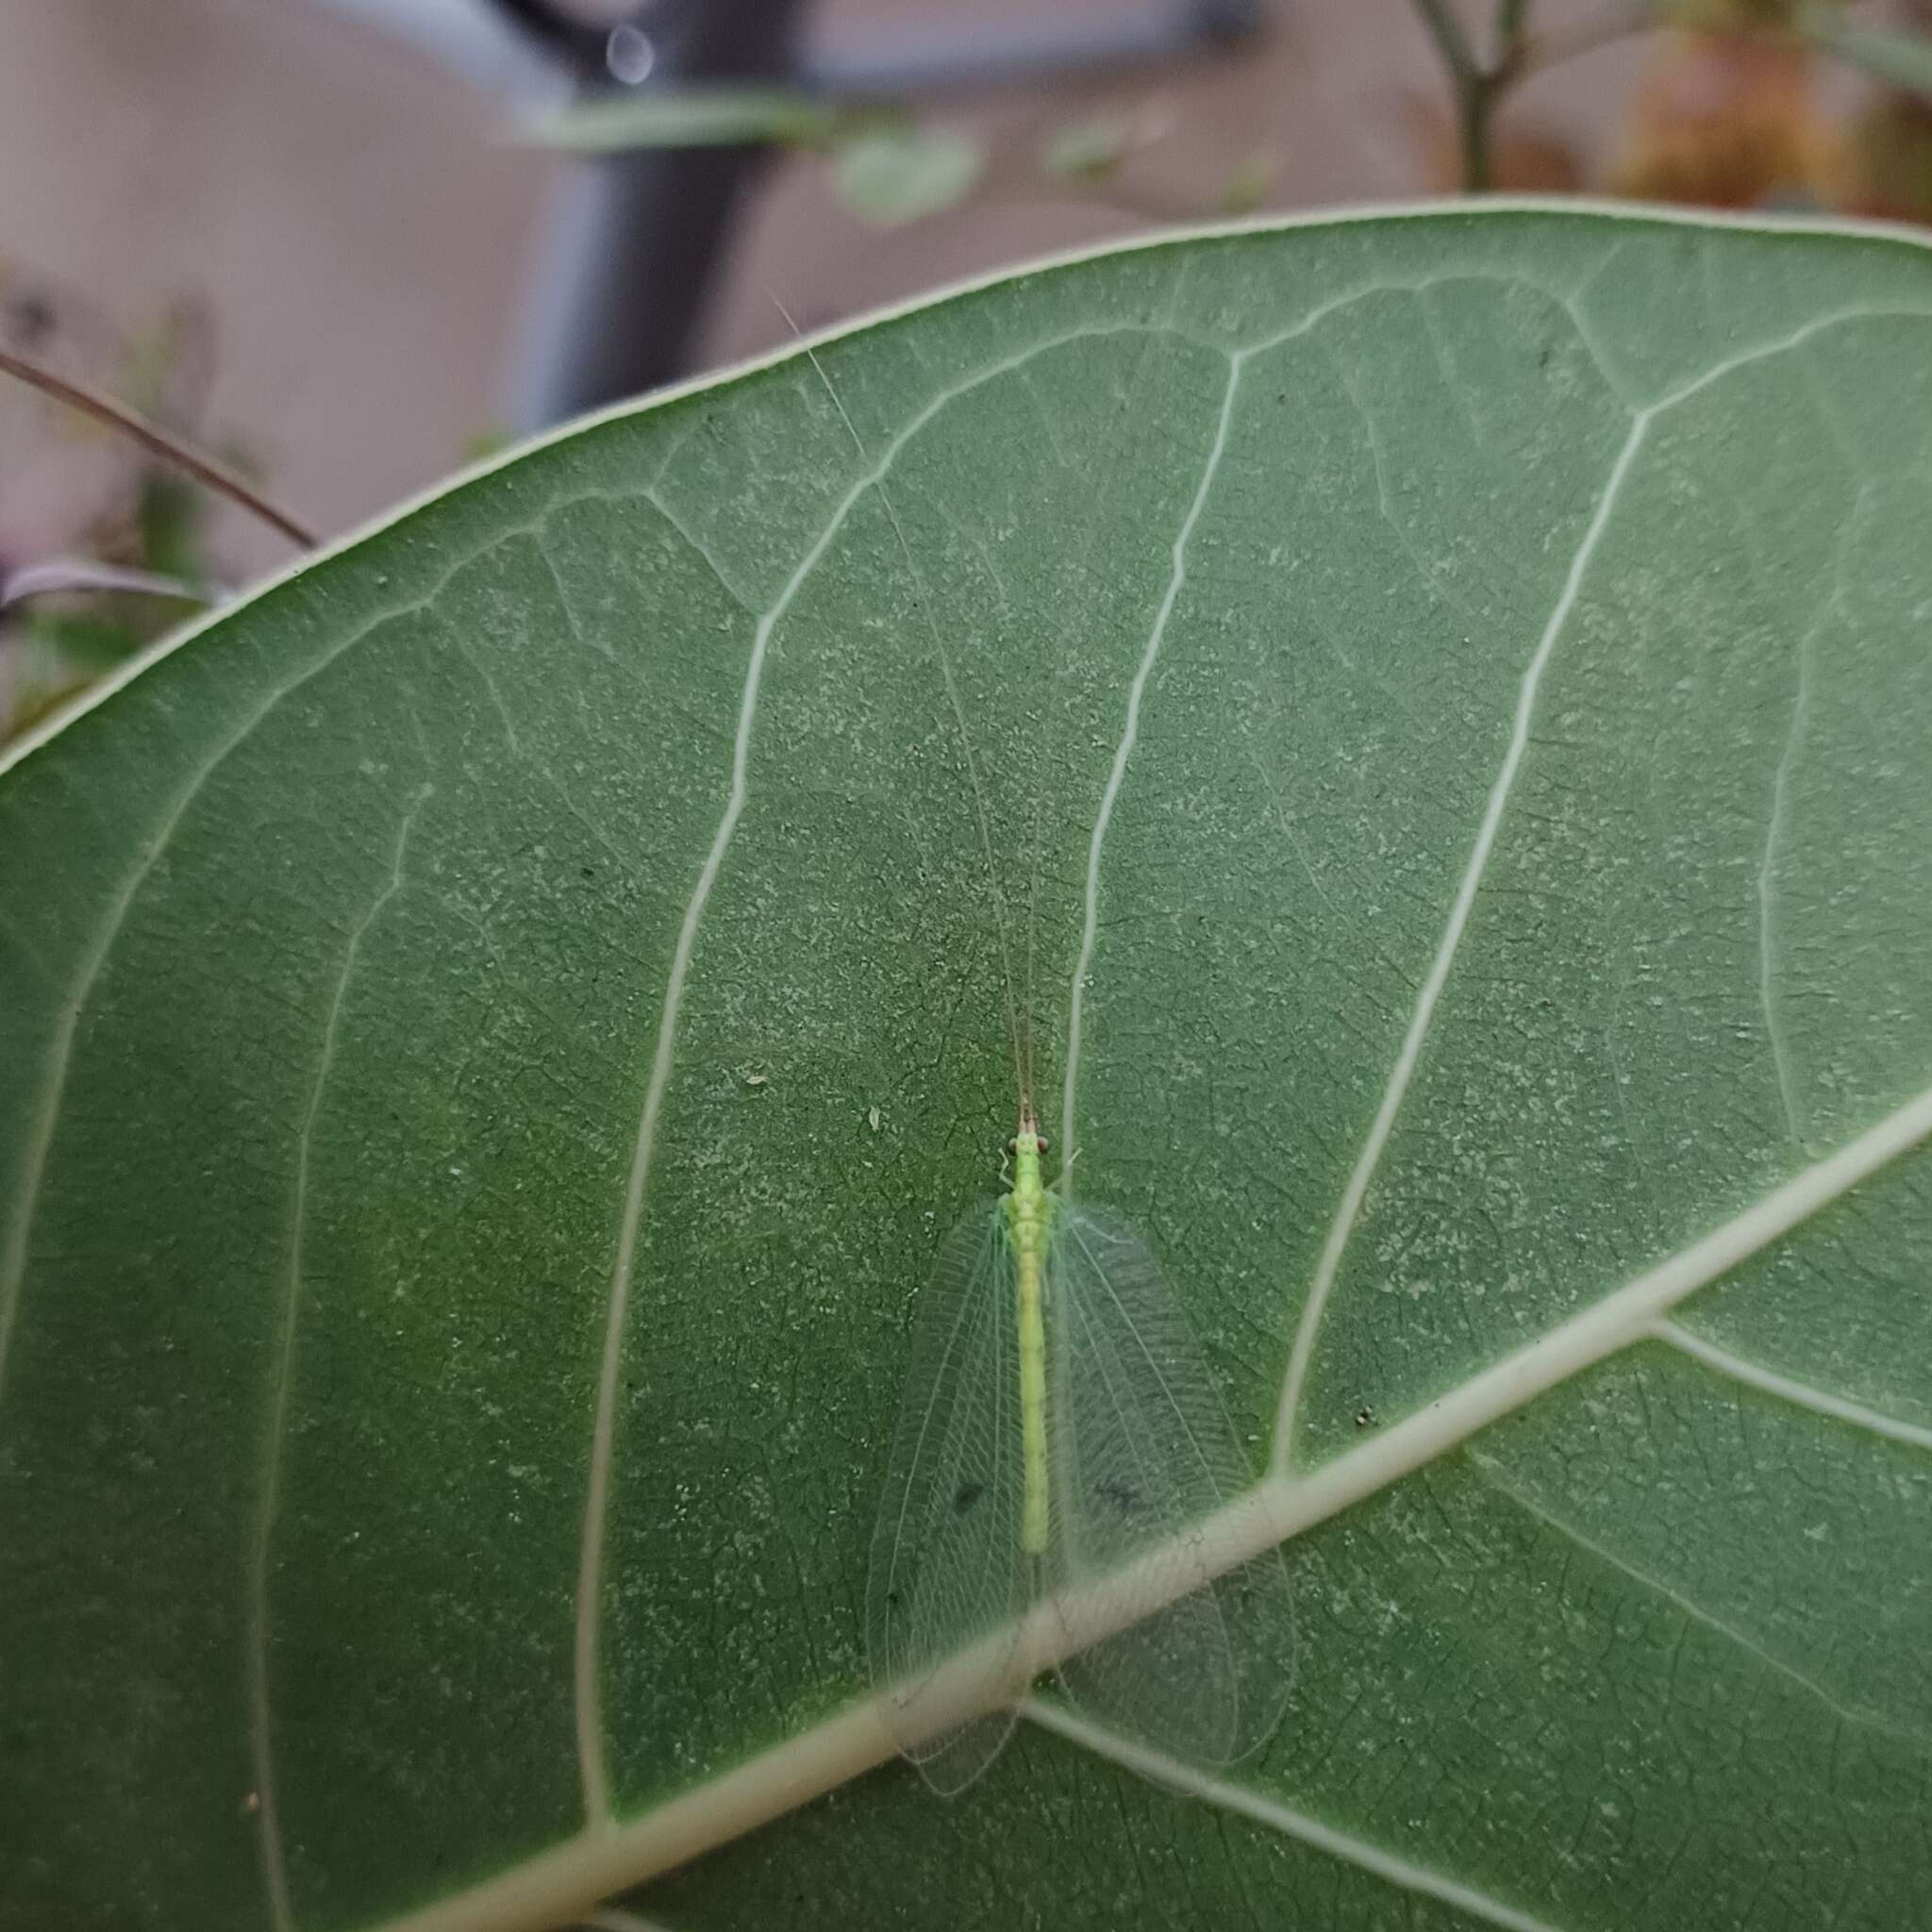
(67,1023)
(1124,751)
(1329,1263)
(1820,1401)
(1270,1813)
(282,1914)
(1493,1475)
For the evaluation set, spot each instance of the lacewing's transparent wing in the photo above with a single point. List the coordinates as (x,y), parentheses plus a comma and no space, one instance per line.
(946,1565)
(1141,1454)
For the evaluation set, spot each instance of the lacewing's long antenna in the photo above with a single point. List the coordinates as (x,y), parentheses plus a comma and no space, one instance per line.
(1032,948)
(1023,1054)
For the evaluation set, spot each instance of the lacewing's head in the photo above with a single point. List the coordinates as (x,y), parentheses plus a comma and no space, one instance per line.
(1029,1140)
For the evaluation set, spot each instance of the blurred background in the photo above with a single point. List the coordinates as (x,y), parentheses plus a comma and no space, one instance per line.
(343,246)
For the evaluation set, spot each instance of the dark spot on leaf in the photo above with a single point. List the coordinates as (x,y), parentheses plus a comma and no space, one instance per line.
(968,1494)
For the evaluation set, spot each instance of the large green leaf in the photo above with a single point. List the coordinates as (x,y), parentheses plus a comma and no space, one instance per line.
(495,1029)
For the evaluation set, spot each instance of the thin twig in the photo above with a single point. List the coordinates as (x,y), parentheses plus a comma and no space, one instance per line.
(217,477)
(1475,86)
(1450,41)
(1479,84)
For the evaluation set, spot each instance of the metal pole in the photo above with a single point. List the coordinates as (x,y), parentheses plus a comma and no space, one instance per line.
(632,248)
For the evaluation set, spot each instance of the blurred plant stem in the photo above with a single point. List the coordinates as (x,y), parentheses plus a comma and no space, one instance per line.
(170,449)
(1477,84)
(1480,83)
